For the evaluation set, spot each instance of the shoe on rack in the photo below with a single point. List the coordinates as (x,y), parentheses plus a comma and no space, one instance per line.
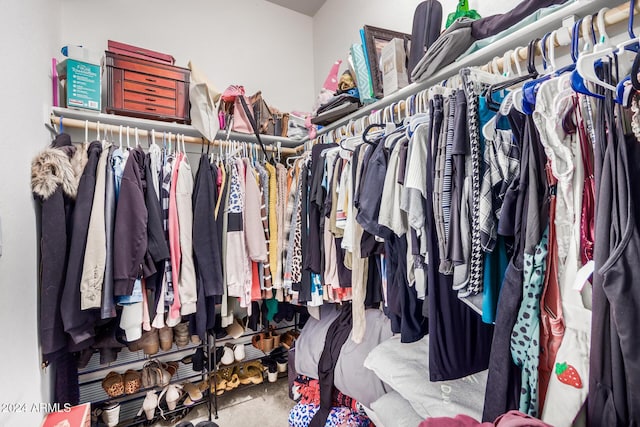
(150,342)
(251,373)
(281,364)
(149,405)
(229,378)
(132,381)
(272,373)
(276,337)
(113,384)
(166,338)
(267,343)
(194,394)
(218,384)
(238,352)
(181,334)
(111,414)
(198,360)
(171,367)
(227,357)
(172,394)
(263,341)
(234,382)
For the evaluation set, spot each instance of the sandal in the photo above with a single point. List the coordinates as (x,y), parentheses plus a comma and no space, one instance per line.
(218,385)
(132,381)
(155,373)
(194,394)
(172,368)
(113,384)
(234,382)
(250,373)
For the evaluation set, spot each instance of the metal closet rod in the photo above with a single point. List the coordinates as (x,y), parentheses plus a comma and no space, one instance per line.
(611,17)
(93,126)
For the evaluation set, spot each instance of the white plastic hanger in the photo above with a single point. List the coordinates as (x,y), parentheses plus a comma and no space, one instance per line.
(507,70)
(98,131)
(86,131)
(515,56)
(586,64)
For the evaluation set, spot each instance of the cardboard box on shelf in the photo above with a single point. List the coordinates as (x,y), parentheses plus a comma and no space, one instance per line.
(393,65)
(80,81)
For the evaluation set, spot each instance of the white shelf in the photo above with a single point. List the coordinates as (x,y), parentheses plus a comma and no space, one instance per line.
(480,57)
(158,126)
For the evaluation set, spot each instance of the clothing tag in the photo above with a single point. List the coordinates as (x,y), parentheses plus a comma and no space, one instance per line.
(583,275)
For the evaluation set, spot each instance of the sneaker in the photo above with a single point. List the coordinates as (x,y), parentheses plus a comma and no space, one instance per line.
(227,357)
(238,352)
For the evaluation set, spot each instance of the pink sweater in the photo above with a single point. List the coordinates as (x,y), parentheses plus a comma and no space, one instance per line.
(174,240)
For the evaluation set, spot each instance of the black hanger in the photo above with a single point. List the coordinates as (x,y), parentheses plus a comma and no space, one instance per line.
(531,68)
(367,129)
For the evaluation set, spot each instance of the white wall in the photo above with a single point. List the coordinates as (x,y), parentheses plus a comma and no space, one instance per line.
(337,24)
(28,38)
(250,42)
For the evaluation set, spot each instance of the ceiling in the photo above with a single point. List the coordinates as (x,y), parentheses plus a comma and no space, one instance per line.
(307,7)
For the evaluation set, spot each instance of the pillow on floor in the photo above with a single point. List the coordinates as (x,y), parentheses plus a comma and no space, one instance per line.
(310,343)
(405,368)
(392,410)
(351,377)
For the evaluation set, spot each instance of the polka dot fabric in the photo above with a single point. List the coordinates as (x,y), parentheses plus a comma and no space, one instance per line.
(525,337)
(301,415)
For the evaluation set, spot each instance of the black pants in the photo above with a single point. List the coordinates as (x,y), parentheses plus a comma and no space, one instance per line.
(336,337)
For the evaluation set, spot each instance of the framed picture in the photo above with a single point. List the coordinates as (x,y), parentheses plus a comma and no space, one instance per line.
(375,39)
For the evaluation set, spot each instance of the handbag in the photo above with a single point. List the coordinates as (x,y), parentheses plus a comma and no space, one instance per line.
(262,113)
(240,122)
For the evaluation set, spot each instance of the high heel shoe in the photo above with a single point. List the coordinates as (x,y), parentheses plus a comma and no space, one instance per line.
(149,405)
(172,394)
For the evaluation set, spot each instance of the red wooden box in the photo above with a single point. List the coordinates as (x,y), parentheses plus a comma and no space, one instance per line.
(139,52)
(147,89)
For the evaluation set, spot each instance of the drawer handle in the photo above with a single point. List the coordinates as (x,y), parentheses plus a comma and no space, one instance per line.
(148,89)
(150,109)
(150,80)
(150,99)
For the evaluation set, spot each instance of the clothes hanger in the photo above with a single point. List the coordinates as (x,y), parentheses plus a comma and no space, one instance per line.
(578,84)
(532,73)
(588,62)
(530,89)
(365,134)
(625,88)
(98,131)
